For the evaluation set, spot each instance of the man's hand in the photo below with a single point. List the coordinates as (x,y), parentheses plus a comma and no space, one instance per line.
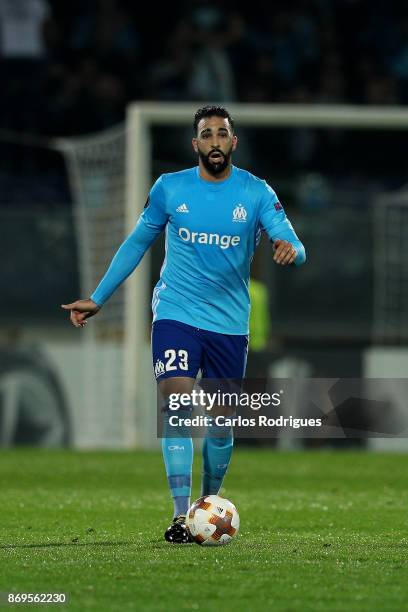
(285,253)
(80,311)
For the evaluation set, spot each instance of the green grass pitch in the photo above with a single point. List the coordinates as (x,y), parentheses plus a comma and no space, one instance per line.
(319,531)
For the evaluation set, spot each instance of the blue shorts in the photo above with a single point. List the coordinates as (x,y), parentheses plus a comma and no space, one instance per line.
(182,350)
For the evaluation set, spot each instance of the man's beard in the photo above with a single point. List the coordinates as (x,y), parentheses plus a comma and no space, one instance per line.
(212,167)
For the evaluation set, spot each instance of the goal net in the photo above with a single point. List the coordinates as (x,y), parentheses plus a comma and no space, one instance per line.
(96,168)
(111,174)
(390,269)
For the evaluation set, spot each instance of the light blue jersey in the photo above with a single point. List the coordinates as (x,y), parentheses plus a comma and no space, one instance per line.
(212,230)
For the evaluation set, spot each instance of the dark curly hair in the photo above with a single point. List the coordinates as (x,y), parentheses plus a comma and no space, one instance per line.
(212,111)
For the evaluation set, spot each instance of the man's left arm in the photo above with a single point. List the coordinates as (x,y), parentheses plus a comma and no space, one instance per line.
(288,249)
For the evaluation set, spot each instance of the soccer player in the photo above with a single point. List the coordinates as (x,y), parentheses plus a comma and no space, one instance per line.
(213,215)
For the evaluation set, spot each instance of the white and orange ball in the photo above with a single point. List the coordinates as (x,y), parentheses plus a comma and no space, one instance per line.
(212,520)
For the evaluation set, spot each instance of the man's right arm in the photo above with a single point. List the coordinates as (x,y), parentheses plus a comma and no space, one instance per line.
(126,259)
(151,222)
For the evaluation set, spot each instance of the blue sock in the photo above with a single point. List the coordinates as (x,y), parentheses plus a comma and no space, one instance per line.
(216,458)
(177,447)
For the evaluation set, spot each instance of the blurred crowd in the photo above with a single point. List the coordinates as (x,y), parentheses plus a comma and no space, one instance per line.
(71,67)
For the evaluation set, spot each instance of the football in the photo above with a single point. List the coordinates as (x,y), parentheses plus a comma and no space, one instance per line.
(212,521)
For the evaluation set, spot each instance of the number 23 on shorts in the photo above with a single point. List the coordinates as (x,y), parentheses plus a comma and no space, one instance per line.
(175,360)
(171,356)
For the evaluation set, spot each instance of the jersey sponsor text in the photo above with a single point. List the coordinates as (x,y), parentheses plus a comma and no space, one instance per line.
(224,241)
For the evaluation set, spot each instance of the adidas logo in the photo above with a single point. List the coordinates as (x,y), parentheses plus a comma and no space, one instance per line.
(159,368)
(182,208)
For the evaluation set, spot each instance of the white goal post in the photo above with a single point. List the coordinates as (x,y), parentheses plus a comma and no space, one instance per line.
(138,414)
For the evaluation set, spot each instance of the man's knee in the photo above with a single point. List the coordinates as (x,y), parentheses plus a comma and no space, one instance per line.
(177,385)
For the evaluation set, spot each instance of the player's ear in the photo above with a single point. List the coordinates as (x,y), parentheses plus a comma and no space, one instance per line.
(195,146)
(234,142)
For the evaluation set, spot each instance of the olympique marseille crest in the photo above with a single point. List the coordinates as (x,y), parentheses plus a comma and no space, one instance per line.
(159,368)
(239,214)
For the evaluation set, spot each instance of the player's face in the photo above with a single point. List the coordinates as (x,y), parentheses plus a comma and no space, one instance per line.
(214,144)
